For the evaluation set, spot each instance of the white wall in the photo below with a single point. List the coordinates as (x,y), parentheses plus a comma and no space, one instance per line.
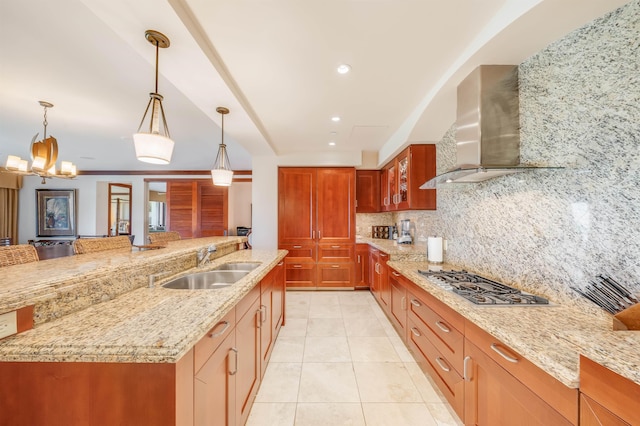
(264,198)
(239,206)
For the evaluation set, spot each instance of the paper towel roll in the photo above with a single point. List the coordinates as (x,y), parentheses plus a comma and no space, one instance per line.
(434,249)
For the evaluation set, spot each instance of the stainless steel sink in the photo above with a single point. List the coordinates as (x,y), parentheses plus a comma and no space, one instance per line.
(209,280)
(237,266)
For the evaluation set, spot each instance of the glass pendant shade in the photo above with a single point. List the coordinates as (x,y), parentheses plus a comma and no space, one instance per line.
(222,174)
(153,148)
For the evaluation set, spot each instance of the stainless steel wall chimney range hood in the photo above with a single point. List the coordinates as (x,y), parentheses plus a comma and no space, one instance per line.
(487,127)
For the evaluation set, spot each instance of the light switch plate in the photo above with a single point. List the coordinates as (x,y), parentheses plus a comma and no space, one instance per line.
(8,324)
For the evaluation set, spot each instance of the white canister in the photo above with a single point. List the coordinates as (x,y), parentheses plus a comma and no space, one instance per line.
(434,249)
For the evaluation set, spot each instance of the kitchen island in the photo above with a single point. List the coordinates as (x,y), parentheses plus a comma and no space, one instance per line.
(134,350)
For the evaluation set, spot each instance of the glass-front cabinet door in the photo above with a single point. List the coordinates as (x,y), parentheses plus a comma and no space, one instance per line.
(402,198)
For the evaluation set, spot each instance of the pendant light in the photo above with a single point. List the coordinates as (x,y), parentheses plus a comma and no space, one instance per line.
(154,146)
(44,155)
(222,175)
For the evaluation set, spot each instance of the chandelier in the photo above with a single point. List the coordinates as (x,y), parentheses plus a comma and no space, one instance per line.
(154,146)
(222,174)
(44,155)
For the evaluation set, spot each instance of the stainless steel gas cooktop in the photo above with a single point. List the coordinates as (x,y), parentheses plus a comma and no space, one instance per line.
(482,291)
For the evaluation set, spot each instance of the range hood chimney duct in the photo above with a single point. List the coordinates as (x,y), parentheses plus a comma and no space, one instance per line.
(487,127)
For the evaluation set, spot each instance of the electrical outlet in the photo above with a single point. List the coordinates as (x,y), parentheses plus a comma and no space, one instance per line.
(8,324)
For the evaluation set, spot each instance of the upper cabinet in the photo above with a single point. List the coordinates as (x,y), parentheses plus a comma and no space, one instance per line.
(401,179)
(367,191)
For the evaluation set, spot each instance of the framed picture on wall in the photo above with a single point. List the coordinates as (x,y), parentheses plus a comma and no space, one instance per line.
(56,212)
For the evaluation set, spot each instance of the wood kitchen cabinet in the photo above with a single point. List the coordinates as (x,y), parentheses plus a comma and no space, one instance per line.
(196,208)
(362,266)
(501,385)
(606,398)
(398,302)
(316,223)
(379,277)
(401,179)
(271,312)
(435,336)
(367,191)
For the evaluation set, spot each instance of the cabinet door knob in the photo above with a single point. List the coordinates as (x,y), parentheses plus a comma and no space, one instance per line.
(465,369)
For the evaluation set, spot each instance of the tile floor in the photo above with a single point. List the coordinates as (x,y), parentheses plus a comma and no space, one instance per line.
(339,361)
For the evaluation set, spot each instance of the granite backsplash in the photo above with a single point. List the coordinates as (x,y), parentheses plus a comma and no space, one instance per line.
(550,230)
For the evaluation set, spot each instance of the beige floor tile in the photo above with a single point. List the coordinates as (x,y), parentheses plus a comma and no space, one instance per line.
(355,298)
(357,311)
(325,298)
(425,386)
(294,327)
(444,414)
(326,349)
(281,382)
(364,326)
(329,414)
(271,414)
(401,349)
(325,311)
(288,349)
(397,414)
(385,382)
(326,327)
(372,349)
(328,382)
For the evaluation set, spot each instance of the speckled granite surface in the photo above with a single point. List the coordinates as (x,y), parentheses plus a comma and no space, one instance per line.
(551,337)
(143,325)
(61,286)
(405,252)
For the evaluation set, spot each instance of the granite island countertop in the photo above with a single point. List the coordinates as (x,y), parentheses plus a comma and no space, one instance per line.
(142,325)
(551,337)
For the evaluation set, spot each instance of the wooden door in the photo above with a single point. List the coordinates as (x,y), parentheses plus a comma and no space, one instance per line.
(248,375)
(367,191)
(180,201)
(196,208)
(336,214)
(214,387)
(265,321)
(362,266)
(296,206)
(398,302)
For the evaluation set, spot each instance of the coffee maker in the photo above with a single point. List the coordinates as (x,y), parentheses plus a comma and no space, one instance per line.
(405,232)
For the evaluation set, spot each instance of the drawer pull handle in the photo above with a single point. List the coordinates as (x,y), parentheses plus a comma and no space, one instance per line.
(403,303)
(259,317)
(415,332)
(415,303)
(358,258)
(384,255)
(281,263)
(504,355)
(335,266)
(297,266)
(335,247)
(465,369)
(297,247)
(221,332)
(443,365)
(442,326)
(395,274)
(263,318)
(235,370)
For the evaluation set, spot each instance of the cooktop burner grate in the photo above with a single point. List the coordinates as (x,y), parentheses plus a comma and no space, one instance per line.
(482,291)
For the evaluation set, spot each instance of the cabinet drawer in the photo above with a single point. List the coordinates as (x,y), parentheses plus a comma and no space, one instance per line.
(562,398)
(299,274)
(245,303)
(335,275)
(336,252)
(440,331)
(300,252)
(208,344)
(437,365)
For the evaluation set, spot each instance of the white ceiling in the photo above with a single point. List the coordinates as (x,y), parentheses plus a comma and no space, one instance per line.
(271,62)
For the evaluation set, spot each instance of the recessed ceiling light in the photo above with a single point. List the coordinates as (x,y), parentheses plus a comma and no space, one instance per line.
(332,143)
(343,68)
(335,118)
